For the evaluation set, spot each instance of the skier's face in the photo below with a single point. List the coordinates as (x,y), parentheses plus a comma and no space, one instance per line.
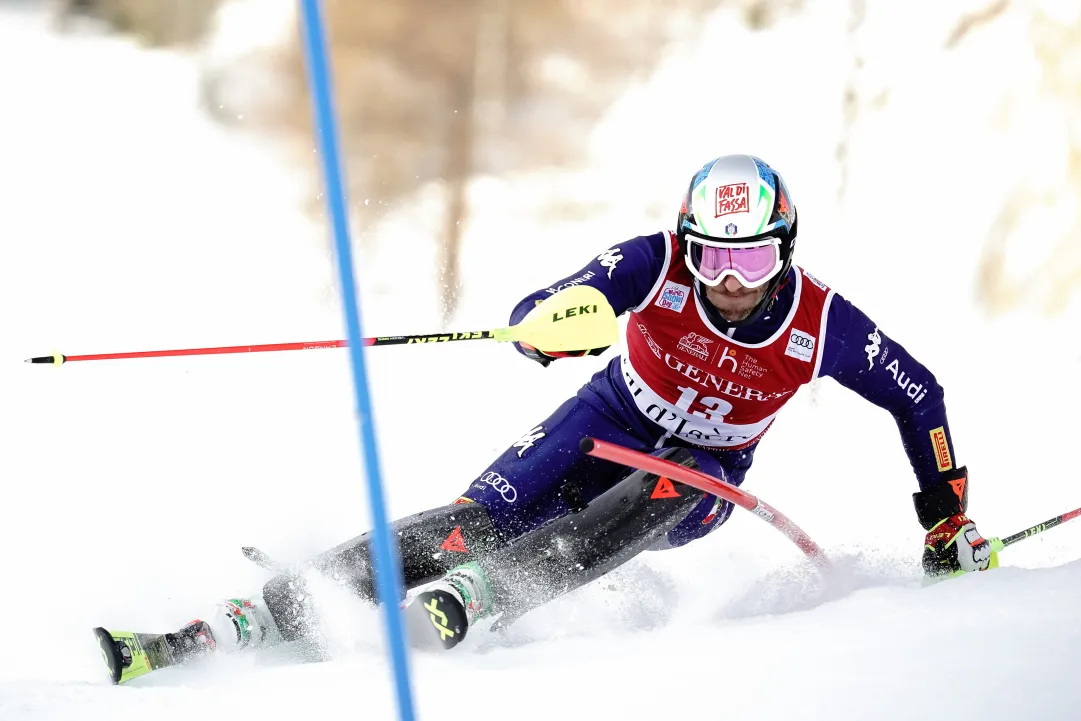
(733,300)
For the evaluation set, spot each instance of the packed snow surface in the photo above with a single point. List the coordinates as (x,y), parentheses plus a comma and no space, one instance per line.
(131,222)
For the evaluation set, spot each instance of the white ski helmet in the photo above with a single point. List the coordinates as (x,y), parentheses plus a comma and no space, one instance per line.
(738,219)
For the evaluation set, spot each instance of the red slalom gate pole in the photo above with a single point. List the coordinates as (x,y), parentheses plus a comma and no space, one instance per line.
(708,484)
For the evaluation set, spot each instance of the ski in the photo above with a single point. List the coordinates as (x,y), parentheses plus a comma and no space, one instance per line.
(129,655)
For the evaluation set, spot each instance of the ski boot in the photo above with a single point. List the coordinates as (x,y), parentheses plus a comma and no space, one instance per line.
(233,624)
(242,623)
(440,616)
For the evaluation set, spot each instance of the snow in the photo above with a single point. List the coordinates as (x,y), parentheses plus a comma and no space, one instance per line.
(130,222)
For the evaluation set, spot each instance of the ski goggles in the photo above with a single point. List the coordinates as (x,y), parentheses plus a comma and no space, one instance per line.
(752,264)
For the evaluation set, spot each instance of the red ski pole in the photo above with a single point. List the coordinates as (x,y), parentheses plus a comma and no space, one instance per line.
(575,318)
(58,359)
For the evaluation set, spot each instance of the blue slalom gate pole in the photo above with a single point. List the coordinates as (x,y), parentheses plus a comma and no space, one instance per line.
(385,551)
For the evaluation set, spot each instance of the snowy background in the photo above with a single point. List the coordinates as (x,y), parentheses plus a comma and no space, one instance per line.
(128,487)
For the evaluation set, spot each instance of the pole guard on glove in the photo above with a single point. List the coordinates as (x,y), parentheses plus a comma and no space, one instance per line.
(573,323)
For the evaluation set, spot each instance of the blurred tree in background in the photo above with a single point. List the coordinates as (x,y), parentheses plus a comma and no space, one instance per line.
(1006,279)
(443,90)
(433,90)
(431,93)
(1057,277)
(157,22)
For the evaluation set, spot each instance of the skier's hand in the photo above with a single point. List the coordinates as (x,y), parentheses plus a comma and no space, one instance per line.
(545,358)
(954,546)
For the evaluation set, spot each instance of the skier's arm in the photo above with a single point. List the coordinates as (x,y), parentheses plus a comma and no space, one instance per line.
(625,273)
(863,358)
(859,356)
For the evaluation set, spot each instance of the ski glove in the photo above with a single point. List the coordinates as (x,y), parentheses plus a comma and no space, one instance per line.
(952,546)
(545,358)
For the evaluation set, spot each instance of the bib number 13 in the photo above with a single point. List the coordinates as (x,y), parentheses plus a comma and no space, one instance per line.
(714,411)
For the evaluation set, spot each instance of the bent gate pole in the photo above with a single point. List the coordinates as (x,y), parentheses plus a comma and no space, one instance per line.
(708,484)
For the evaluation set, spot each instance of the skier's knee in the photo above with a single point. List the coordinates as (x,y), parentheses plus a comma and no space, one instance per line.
(709,464)
(710,513)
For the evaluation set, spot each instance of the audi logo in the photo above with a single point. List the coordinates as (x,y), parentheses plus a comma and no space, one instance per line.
(501,484)
(801,341)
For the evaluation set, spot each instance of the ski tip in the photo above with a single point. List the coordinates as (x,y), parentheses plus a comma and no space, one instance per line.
(110,653)
(258,557)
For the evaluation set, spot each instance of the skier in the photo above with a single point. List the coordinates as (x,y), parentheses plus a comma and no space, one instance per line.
(723,330)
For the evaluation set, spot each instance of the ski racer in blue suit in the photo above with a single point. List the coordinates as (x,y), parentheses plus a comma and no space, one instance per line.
(722,330)
(715,307)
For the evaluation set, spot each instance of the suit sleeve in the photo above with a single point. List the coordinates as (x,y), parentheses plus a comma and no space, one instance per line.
(862,358)
(625,273)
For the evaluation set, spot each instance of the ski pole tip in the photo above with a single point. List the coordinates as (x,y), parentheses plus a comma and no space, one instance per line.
(55,359)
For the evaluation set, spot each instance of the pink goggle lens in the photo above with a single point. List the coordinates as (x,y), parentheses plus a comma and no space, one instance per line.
(751,265)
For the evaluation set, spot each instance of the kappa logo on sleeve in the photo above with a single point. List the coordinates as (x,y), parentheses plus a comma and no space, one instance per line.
(942,449)
(528,440)
(800,345)
(608,259)
(673,296)
(873,348)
